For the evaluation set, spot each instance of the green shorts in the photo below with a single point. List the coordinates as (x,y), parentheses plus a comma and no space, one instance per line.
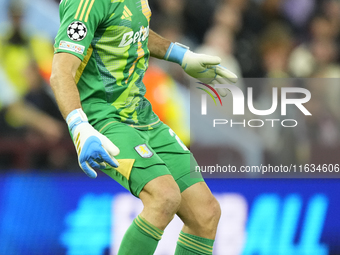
(147,154)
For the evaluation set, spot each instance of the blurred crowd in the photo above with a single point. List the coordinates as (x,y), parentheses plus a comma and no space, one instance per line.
(32,132)
(254,38)
(274,39)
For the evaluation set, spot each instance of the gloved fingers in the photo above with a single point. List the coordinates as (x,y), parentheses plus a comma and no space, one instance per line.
(109,159)
(88,170)
(209,60)
(102,164)
(224,73)
(223,92)
(96,163)
(109,147)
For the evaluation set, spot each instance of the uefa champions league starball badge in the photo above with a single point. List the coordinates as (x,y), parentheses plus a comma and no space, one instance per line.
(76,31)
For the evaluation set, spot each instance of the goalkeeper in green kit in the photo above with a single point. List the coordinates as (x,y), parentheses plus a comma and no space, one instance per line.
(101,54)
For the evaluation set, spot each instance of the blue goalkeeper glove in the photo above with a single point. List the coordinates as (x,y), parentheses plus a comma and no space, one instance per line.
(94,149)
(203,67)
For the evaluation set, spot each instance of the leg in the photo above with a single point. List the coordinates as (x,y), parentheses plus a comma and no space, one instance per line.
(147,178)
(161,198)
(200,212)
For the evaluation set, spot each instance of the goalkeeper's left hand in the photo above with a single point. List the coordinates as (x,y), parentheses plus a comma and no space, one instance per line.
(203,67)
(94,149)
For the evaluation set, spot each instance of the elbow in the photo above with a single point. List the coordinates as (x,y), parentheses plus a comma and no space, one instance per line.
(53,80)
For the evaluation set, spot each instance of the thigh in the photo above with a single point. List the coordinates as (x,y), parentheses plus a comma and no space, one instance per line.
(195,199)
(176,156)
(199,210)
(161,198)
(182,167)
(158,188)
(138,162)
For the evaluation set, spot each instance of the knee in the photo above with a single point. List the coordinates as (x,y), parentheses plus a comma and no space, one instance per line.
(168,201)
(161,198)
(162,201)
(208,217)
(213,213)
(216,212)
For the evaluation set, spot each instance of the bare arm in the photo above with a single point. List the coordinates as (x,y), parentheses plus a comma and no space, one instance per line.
(157,45)
(25,114)
(64,70)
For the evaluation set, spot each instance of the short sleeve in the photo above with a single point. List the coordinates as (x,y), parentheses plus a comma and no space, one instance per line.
(79,20)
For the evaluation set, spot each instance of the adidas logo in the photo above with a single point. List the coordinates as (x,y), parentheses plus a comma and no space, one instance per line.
(126,13)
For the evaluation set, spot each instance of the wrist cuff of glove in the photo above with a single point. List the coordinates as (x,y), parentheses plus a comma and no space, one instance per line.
(175,53)
(75,118)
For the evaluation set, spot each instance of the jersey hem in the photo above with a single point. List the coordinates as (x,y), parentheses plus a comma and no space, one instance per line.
(141,127)
(148,126)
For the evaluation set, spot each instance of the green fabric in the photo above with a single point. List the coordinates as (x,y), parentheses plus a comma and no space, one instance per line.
(141,238)
(193,245)
(166,156)
(114,56)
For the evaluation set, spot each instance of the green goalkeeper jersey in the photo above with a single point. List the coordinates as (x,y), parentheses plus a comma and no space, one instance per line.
(111,38)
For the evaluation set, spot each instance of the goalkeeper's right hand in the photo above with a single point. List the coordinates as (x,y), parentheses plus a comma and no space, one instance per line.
(94,149)
(203,67)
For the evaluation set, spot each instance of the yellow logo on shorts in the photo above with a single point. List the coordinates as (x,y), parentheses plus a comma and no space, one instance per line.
(144,151)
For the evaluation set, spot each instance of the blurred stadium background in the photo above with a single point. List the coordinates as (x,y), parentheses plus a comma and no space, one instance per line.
(48,206)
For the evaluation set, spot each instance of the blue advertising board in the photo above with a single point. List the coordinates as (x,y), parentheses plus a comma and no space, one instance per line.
(73,214)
